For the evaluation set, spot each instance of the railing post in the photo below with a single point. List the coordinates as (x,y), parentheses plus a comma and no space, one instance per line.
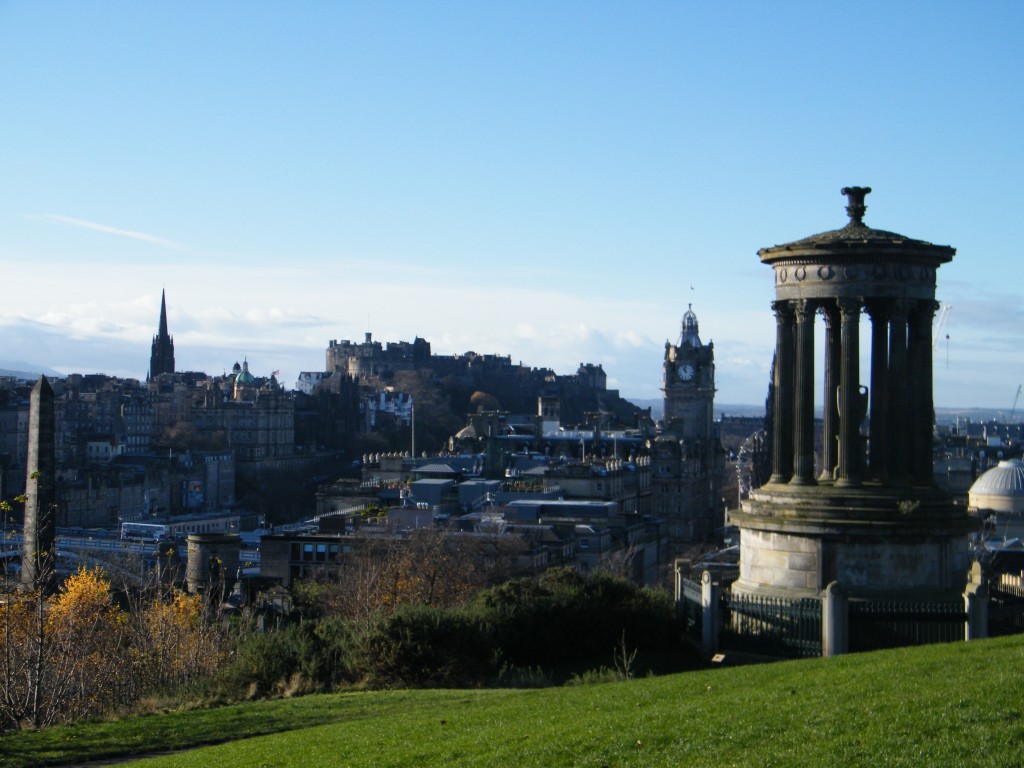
(710,618)
(834,620)
(976,605)
(679,567)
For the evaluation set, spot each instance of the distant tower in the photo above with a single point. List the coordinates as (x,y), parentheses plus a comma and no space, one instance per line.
(687,455)
(39,544)
(245,384)
(212,563)
(161,359)
(689,383)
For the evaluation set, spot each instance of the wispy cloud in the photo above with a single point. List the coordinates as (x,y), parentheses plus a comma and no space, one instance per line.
(106,229)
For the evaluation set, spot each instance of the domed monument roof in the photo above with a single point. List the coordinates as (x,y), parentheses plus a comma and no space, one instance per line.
(1000,489)
(858,240)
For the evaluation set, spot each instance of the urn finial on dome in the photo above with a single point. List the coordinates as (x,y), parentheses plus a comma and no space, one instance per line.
(855,207)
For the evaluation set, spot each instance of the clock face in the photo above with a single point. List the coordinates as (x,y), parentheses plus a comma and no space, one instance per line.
(686,372)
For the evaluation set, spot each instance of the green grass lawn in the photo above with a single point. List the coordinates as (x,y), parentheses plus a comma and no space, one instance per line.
(943,705)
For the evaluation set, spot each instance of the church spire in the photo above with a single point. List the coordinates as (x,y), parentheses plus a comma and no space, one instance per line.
(163,314)
(161,358)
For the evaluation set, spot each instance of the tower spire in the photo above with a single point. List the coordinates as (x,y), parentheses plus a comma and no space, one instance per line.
(163,314)
(161,357)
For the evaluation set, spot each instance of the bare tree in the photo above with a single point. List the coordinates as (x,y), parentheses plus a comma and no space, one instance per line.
(429,566)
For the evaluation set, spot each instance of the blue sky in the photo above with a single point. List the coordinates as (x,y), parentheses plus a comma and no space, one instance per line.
(542,180)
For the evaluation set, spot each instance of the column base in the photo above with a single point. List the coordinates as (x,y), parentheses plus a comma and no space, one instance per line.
(797,480)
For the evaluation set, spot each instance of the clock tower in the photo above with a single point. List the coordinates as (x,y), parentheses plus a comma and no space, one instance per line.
(687,456)
(689,383)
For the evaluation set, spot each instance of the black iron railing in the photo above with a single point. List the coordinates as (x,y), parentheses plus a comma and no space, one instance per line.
(875,624)
(771,626)
(1006,606)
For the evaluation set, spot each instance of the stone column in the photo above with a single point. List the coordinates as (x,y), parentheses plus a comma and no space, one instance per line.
(919,351)
(899,398)
(803,390)
(878,431)
(830,402)
(850,412)
(782,425)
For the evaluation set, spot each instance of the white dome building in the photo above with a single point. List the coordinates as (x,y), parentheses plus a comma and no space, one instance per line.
(997,497)
(1000,490)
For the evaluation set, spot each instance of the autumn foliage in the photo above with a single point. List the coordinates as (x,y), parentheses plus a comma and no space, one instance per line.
(77,655)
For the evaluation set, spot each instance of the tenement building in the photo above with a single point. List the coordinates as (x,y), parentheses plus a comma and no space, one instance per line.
(869,514)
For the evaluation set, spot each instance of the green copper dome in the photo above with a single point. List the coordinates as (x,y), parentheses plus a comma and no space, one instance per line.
(245,377)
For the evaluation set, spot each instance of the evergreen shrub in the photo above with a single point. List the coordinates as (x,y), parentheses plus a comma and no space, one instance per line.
(524,633)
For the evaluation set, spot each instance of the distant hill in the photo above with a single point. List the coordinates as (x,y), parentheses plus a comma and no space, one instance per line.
(976,415)
(22,370)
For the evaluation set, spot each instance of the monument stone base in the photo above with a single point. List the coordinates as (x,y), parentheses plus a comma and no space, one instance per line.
(877,542)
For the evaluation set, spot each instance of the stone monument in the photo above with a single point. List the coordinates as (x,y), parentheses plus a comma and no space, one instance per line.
(868,513)
(39,540)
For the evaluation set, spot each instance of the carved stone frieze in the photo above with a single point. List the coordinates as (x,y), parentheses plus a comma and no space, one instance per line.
(884,280)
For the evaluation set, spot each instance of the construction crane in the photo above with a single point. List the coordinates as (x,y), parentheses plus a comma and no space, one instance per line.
(1016,399)
(940,323)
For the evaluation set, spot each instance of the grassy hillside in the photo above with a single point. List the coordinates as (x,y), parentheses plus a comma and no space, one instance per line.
(948,705)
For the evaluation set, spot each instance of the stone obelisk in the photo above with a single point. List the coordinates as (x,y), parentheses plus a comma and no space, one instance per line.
(39,546)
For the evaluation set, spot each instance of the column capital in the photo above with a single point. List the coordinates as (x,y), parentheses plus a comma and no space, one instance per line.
(804,309)
(849,305)
(879,309)
(829,311)
(782,309)
(900,308)
(925,309)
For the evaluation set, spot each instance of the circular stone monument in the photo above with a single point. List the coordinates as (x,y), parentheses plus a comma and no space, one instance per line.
(866,512)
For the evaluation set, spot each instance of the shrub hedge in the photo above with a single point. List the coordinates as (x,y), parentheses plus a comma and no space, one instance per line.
(524,632)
